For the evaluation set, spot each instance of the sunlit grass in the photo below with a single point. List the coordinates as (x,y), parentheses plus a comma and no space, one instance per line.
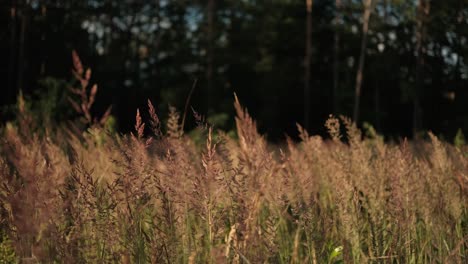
(81,193)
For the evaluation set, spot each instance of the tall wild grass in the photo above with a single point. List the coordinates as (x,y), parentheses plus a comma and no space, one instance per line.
(80,194)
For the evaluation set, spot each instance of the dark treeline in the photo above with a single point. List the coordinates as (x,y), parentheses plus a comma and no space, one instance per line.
(398,65)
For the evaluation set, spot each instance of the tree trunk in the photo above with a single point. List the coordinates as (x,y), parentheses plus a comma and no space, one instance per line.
(210,49)
(43,40)
(377,82)
(21,47)
(362,56)
(307,63)
(11,64)
(156,45)
(422,13)
(459,45)
(336,54)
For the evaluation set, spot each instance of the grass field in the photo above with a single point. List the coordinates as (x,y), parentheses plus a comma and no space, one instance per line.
(80,193)
(91,196)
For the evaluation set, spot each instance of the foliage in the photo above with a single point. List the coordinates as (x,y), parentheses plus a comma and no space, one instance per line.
(7,253)
(459,140)
(155,49)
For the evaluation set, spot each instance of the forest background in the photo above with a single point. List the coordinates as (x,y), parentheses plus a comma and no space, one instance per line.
(397,65)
